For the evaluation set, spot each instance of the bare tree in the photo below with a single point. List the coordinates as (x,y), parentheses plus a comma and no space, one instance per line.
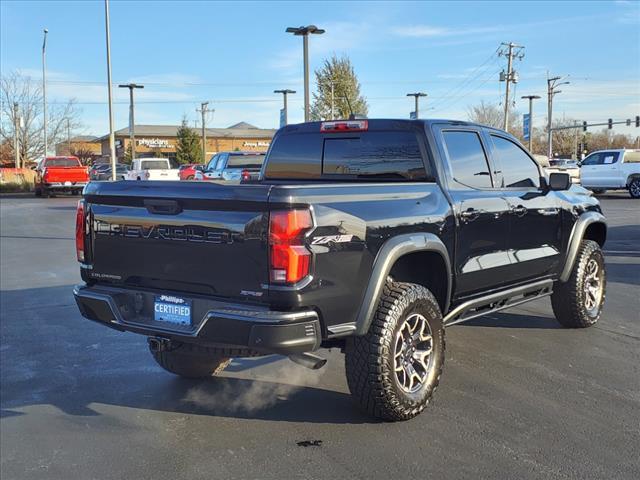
(84,154)
(20,89)
(491,114)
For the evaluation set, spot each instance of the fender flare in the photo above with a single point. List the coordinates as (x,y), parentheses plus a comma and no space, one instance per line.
(391,251)
(577,234)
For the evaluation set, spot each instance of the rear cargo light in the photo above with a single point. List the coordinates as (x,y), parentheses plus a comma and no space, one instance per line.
(344,126)
(290,260)
(80,231)
(245,175)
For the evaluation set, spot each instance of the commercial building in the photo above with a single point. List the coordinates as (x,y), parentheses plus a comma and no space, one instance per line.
(85,145)
(160,140)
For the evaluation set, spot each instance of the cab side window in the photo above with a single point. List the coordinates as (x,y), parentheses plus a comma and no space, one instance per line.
(593,159)
(467,159)
(518,169)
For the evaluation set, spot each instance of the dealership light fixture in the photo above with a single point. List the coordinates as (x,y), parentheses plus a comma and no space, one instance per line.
(304,32)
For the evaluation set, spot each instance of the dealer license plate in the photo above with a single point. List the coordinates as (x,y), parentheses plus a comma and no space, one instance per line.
(170,309)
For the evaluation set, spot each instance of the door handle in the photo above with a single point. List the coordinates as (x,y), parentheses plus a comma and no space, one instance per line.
(469,215)
(547,212)
(520,211)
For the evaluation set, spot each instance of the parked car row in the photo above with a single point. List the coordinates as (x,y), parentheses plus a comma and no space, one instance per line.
(616,169)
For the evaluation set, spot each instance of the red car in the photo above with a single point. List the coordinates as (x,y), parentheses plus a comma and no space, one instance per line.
(192,171)
(60,174)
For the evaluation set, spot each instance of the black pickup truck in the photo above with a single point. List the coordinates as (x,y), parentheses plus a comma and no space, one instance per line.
(367,235)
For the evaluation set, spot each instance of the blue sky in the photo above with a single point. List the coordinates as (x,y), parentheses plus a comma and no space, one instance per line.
(235,54)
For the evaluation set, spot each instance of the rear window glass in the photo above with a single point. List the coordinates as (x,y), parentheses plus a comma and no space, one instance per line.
(369,155)
(245,161)
(62,162)
(154,165)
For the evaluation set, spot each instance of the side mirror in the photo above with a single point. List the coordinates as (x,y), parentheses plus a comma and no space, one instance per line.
(559,181)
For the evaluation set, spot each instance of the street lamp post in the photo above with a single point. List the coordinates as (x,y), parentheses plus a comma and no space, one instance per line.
(132,121)
(304,32)
(284,93)
(531,98)
(112,140)
(416,96)
(44,90)
(552,84)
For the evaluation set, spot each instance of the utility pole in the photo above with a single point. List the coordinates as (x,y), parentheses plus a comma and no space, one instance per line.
(44,90)
(68,136)
(552,84)
(16,135)
(531,98)
(333,115)
(416,96)
(575,142)
(284,93)
(112,139)
(132,121)
(203,111)
(511,51)
(304,33)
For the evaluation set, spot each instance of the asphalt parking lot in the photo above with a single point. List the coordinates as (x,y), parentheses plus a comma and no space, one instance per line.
(519,398)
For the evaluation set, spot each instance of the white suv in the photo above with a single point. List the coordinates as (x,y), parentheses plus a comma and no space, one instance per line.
(612,170)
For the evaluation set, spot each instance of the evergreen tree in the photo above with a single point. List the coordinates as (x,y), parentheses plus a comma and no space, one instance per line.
(339,73)
(188,145)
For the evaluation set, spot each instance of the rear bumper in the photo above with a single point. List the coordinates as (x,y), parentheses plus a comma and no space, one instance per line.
(64,185)
(214,323)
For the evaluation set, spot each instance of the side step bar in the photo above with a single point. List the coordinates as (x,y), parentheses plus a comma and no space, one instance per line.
(498,301)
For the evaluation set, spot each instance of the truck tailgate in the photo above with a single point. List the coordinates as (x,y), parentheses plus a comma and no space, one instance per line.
(66,174)
(193,237)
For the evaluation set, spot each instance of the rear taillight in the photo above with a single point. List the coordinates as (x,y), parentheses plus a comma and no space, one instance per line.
(344,126)
(290,260)
(245,175)
(80,231)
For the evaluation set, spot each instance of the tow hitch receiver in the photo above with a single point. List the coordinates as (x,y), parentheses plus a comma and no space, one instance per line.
(159,344)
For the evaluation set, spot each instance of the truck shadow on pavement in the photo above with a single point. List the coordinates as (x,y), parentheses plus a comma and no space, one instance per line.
(50,355)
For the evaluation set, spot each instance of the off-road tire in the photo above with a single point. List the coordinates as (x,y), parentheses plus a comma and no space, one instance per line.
(568,298)
(369,359)
(190,361)
(634,188)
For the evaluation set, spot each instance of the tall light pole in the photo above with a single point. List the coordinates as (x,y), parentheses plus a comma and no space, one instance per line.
(16,134)
(552,84)
(512,51)
(44,90)
(132,120)
(416,96)
(284,93)
(304,33)
(112,140)
(531,98)
(204,110)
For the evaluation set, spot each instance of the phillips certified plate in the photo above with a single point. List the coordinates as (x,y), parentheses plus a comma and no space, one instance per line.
(170,309)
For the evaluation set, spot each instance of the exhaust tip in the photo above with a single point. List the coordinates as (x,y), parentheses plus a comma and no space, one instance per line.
(308,360)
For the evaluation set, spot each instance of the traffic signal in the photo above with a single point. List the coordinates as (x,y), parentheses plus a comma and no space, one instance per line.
(637,120)
(628,122)
(584,126)
(610,121)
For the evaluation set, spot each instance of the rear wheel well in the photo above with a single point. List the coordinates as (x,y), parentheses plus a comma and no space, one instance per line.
(596,232)
(424,268)
(632,177)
